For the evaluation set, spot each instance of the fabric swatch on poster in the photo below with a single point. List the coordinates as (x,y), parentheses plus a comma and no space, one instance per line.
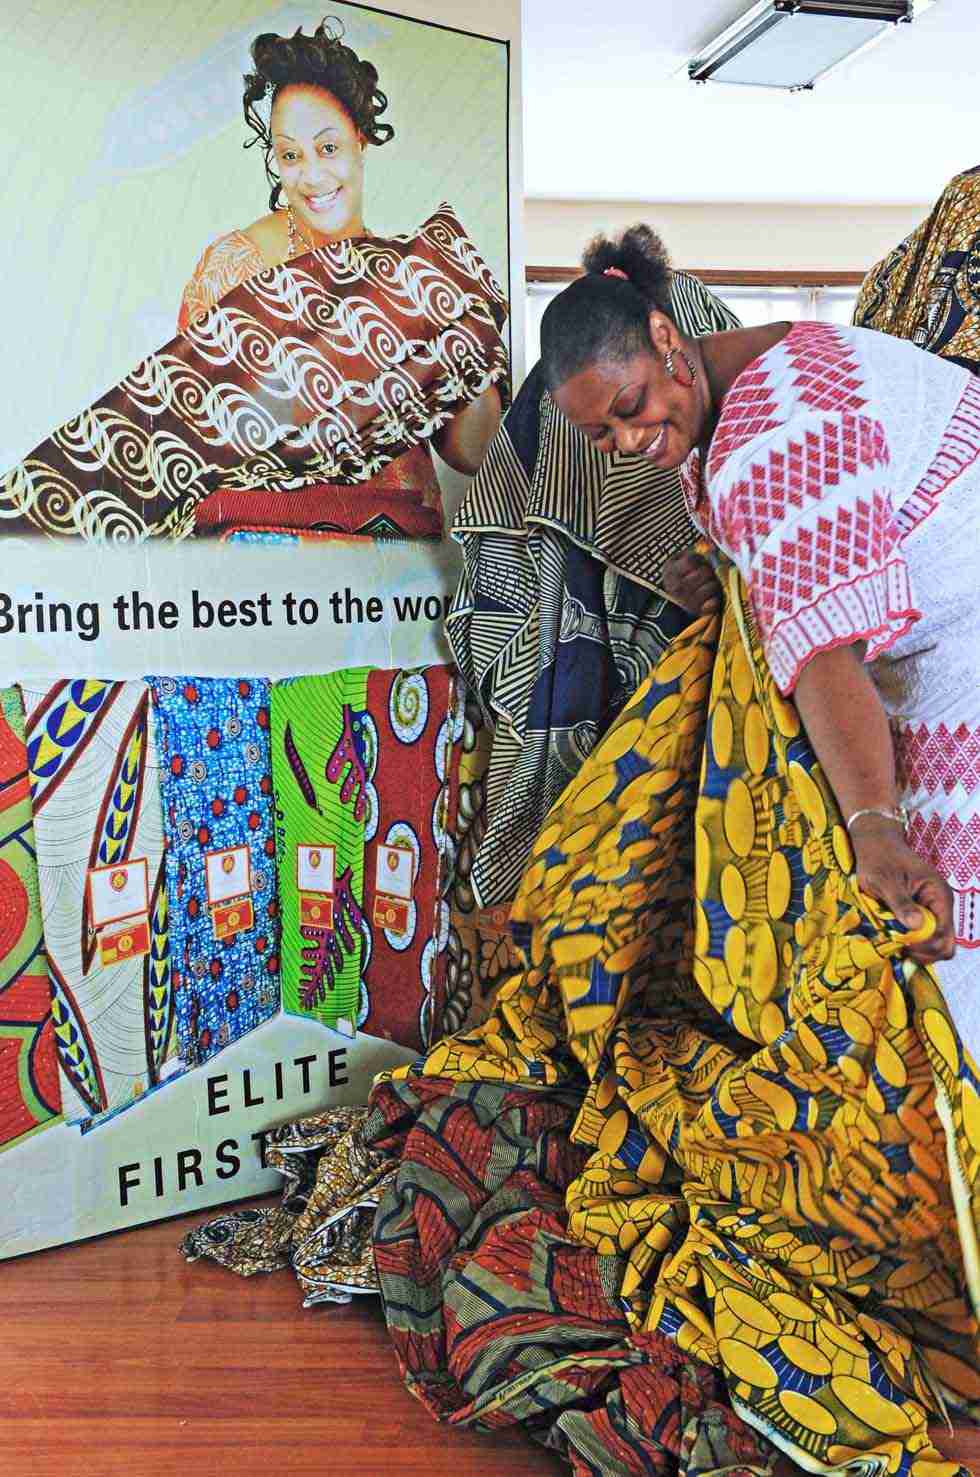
(418,719)
(30,1090)
(96,798)
(216,779)
(324,754)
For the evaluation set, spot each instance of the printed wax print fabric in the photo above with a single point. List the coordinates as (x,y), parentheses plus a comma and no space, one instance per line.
(402,502)
(323,1226)
(223,265)
(95,790)
(417,721)
(324,752)
(363,759)
(742,1135)
(30,1090)
(216,769)
(927,289)
(480,952)
(559,613)
(318,372)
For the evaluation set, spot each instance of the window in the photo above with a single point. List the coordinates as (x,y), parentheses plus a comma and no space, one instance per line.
(752,305)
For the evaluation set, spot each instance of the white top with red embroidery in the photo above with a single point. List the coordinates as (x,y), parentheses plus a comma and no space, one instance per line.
(843,480)
(830,448)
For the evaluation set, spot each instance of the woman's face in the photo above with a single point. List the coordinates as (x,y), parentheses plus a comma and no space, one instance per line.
(320,157)
(635,407)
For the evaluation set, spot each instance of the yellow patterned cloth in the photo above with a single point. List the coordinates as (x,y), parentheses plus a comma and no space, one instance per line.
(928,288)
(782,1129)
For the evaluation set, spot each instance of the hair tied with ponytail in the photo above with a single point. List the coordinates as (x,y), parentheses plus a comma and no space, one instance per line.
(586,322)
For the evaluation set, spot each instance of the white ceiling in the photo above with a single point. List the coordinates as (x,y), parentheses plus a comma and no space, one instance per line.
(611,115)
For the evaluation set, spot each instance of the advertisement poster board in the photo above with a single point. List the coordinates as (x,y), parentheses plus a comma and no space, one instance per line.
(259,331)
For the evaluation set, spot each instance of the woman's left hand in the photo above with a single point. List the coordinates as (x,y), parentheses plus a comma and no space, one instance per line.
(888,869)
(691,583)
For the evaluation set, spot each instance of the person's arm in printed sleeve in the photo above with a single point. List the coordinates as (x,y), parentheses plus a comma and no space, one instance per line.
(817,643)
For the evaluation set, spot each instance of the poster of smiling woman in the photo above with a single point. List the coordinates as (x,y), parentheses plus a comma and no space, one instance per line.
(320,355)
(257,336)
(258,333)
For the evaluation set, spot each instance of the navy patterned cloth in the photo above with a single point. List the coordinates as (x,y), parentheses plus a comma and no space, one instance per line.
(213,735)
(559,614)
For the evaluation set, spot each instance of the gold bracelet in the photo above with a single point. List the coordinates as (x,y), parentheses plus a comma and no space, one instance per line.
(899,814)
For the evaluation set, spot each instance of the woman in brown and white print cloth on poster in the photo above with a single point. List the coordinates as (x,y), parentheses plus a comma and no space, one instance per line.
(315,362)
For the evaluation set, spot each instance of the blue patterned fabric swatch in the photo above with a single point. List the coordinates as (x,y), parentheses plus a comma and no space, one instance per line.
(213,735)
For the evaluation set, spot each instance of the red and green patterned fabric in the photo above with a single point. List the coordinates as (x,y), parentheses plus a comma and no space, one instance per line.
(418,722)
(365,758)
(30,1092)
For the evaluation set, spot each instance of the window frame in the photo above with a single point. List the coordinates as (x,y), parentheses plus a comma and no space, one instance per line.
(795,294)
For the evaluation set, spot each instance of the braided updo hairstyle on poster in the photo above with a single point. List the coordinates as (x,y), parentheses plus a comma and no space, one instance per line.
(603,315)
(320,60)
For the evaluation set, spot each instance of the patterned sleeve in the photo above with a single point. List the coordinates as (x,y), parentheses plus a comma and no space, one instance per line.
(702,310)
(883,296)
(802,503)
(225,264)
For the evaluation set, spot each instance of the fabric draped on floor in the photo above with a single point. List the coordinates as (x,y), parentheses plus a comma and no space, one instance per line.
(705,1185)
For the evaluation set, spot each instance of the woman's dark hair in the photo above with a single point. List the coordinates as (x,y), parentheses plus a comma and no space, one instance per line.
(603,316)
(320,60)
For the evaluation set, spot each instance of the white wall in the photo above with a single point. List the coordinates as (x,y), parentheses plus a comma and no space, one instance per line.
(775,237)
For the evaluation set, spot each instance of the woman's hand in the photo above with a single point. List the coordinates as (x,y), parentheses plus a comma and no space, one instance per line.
(463,441)
(888,869)
(691,583)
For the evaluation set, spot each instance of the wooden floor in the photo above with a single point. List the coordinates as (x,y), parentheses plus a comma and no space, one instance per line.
(116,1357)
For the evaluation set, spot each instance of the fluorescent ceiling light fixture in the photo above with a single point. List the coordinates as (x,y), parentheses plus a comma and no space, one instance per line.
(792,43)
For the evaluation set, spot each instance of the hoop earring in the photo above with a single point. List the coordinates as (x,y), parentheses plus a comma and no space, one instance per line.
(670,365)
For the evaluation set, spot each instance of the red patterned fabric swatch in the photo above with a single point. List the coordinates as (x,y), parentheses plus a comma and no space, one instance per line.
(419,723)
(30,1092)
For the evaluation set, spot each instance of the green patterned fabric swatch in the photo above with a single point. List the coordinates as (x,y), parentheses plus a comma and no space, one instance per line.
(324,752)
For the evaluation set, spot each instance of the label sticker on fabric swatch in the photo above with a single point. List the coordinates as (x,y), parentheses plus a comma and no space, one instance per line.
(315,911)
(394,871)
(129,941)
(315,867)
(119,891)
(390,913)
(227,874)
(227,919)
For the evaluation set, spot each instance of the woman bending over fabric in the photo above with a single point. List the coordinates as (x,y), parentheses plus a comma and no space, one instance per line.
(560,612)
(705,1186)
(840,472)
